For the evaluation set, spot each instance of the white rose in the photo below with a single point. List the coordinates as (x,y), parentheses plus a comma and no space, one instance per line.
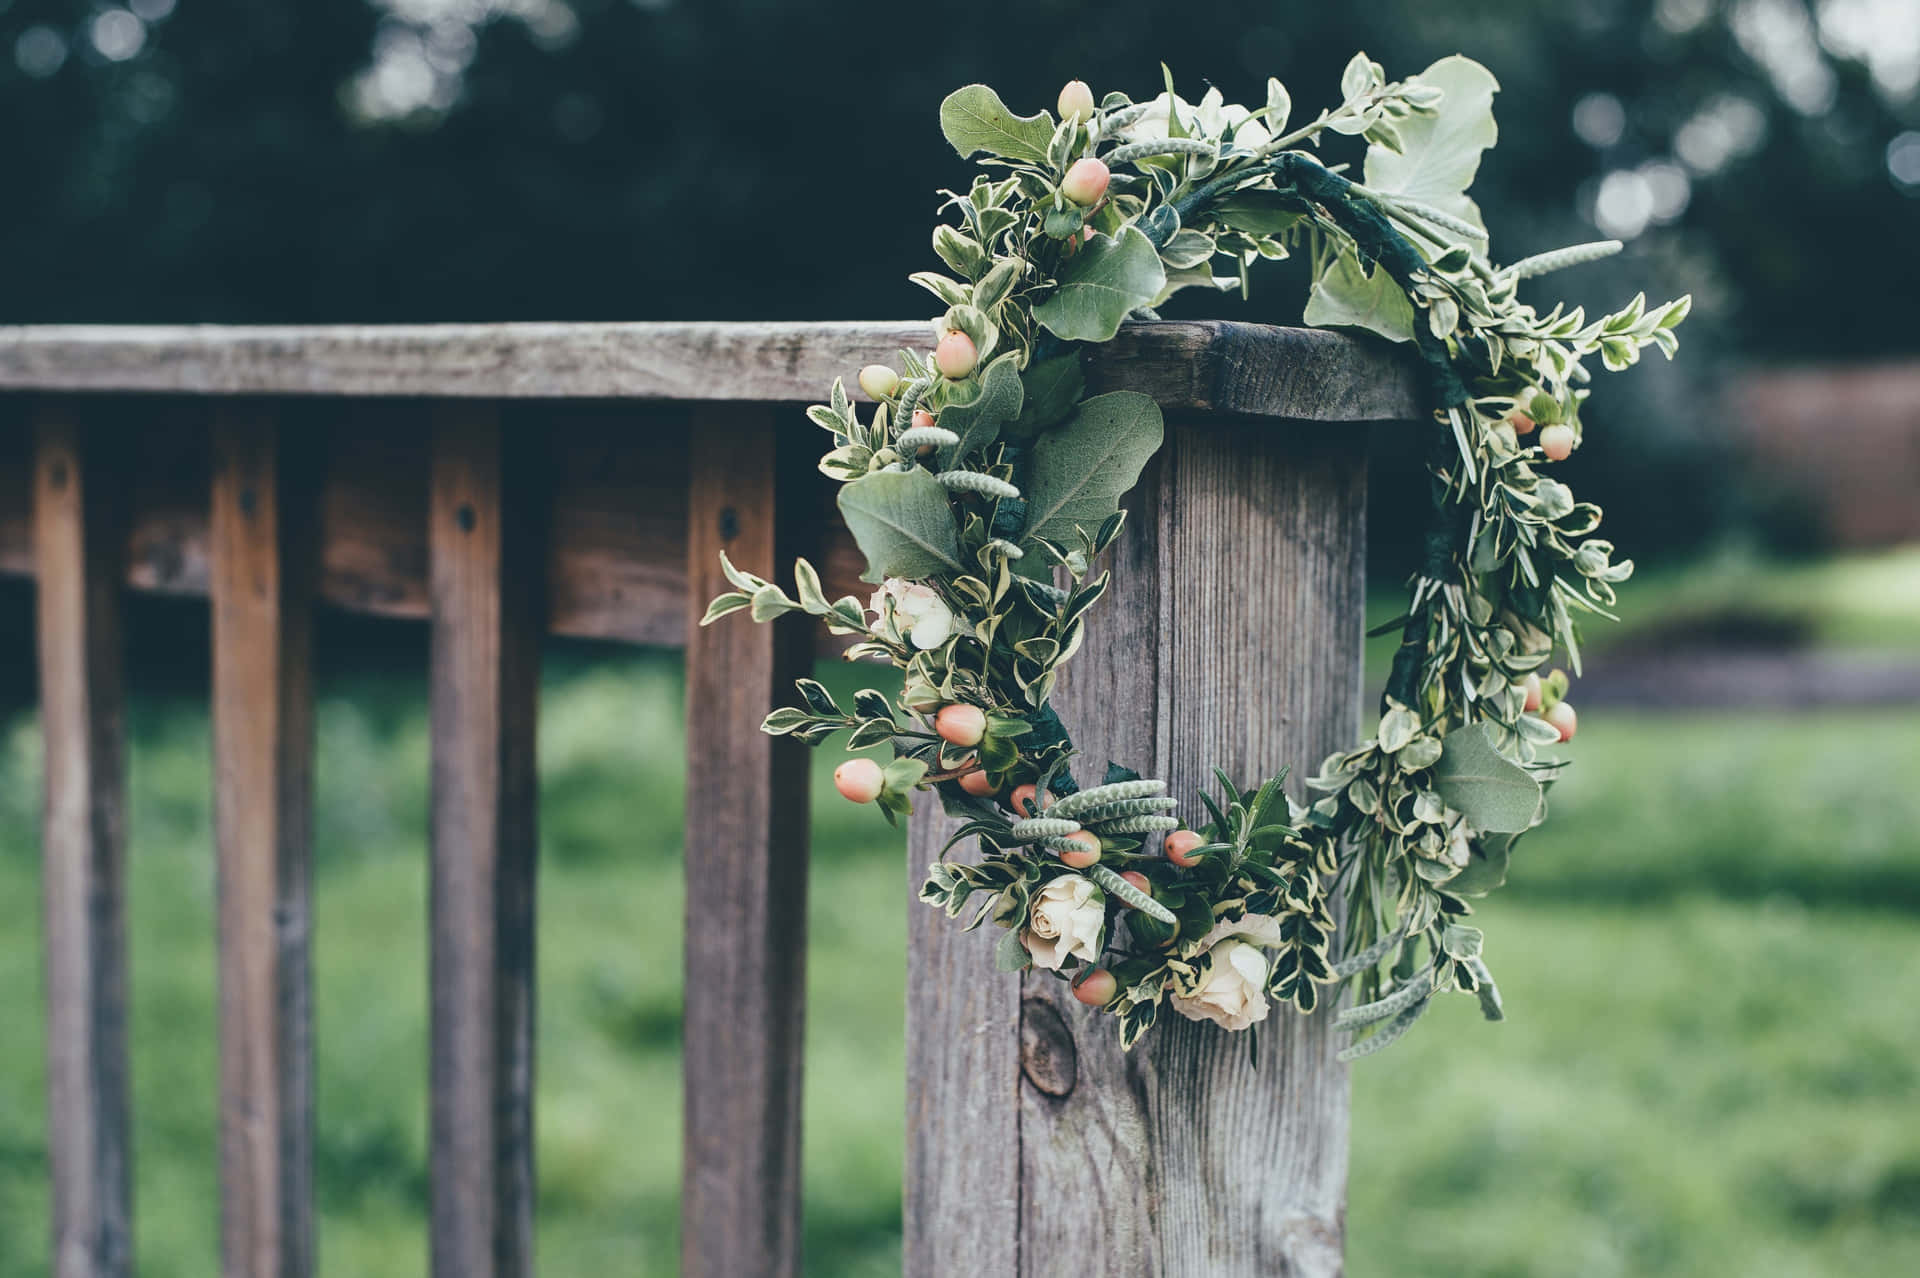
(1065,922)
(1213,116)
(1228,987)
(918,610)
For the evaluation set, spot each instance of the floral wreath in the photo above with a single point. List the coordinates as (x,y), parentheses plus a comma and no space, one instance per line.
(985,486)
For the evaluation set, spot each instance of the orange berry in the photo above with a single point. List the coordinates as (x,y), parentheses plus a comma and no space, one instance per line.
(1139,881)
(1557,442)
(922,419)
(1563,718)
(955,356)
(1521,423)
(1025,801)
(1086,181)
(977,783)
(962,725)
(1096,987)
(1086,850)
(859,780)
(1180,846)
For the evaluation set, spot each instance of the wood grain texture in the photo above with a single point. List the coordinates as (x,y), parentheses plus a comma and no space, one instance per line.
(483,529)
(1202,366)
(76,492)
(746,856)
(1182,1159)
(261,585)
(615,536)
(962,1190)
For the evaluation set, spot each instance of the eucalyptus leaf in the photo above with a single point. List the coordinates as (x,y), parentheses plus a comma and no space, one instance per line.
(1052,388)
(1080,470)
(1100,285)
(975,119)
(1440,153)
(1494,793)
(903,524)
(1347,296)
(978,423)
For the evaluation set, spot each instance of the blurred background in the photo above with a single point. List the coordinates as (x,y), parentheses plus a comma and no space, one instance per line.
(1712,1062)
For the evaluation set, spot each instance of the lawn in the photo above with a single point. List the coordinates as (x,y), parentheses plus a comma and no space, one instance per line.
(1711,1064)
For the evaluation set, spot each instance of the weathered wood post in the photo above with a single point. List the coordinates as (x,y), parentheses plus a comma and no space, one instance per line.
(1035,1146)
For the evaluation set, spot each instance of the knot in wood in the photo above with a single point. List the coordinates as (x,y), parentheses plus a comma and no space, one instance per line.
(1047,1055)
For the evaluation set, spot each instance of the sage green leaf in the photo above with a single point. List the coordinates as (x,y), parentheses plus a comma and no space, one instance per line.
(1486,866)
(975,119)
(1052,387)
(1346,296)
(902,522)
(1440,153)
(1080,469)
(978,421)
(1100,284)
(1495,794)
(1010,955)
(1258,213)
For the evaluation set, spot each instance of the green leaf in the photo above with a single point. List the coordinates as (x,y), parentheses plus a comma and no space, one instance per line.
(978,422)
(1494,793)
(1346,296)
(1080,470)
(1486,866)
(1440,153)
(975,119)
(902,523)
(1101,284)
(1010,955)
(1259,213)
(1052,388)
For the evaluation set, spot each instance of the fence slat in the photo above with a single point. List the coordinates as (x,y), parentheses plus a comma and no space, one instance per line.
(746,857)
(1181,1159)
(483,539)
(77,549)
(261,556)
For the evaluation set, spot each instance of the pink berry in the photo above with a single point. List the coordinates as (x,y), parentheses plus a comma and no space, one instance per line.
(977,783)
(955,356)
(1532,685)
(1076,101)
(1180,846)
(962,725)
(1521,423)
(1556,442)
(1139,880)
(1086,850)
(922,419)
(879,381)
(1023,801)
(859,780)
(1096,987)
(1086,182)
(1563,718)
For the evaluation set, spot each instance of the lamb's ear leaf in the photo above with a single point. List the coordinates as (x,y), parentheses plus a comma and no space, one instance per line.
(903,524)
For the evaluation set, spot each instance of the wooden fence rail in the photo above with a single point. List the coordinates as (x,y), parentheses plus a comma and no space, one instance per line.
(503,482)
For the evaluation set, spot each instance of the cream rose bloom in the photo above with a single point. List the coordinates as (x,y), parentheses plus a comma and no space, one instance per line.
(1065,922)
(1229,987)
(906,609)
(1213,114)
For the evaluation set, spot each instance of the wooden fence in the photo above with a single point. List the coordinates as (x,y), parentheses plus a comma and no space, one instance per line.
(500,482)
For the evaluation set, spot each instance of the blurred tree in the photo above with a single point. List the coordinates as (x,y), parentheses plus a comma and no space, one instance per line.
(270,160)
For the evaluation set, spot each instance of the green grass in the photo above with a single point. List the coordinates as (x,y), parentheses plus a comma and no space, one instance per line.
(1710,1064)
